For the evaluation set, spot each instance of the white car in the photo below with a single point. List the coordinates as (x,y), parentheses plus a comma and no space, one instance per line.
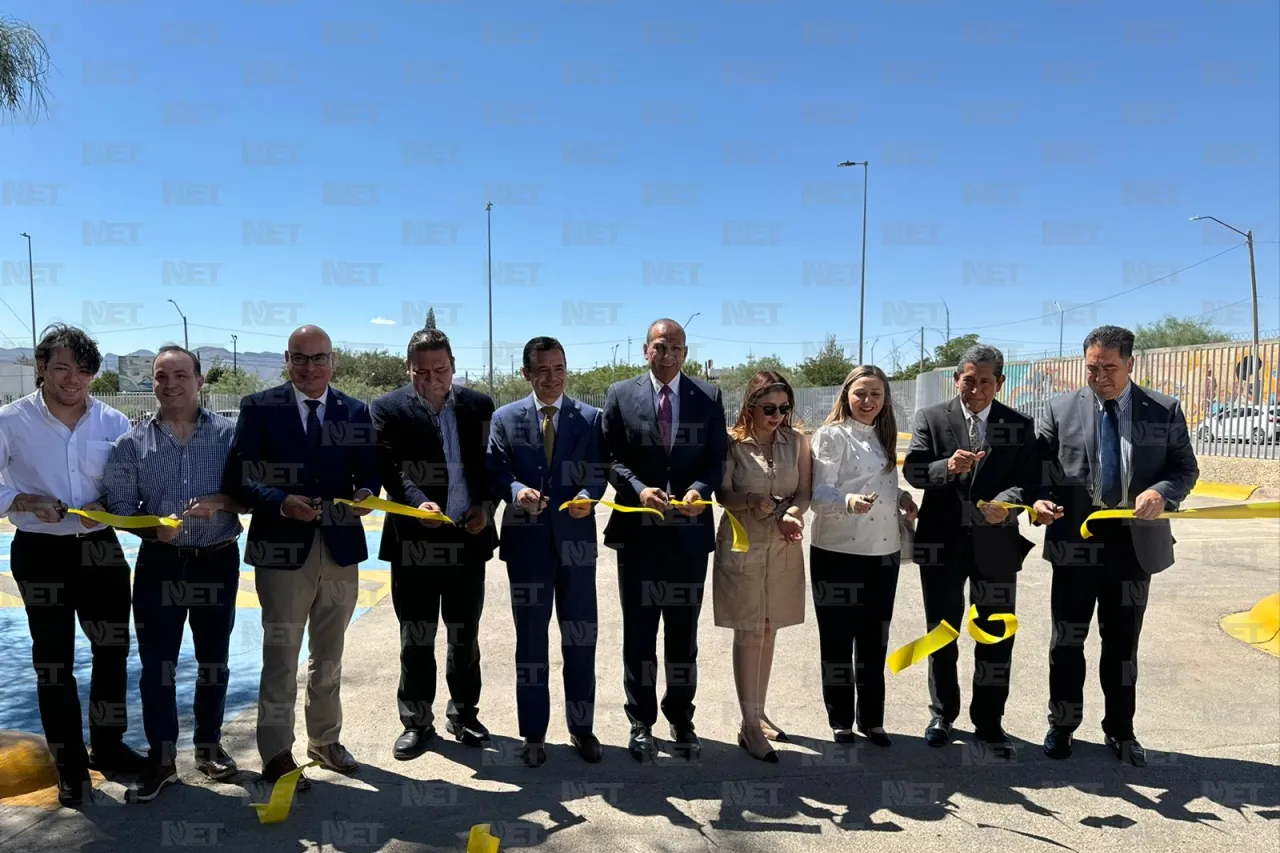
(1257,424)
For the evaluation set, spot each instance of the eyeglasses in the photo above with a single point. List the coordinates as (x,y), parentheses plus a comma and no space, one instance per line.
(319,359)
(771,410)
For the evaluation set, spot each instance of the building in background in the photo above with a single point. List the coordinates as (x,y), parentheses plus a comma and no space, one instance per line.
(135,372)
(16,380)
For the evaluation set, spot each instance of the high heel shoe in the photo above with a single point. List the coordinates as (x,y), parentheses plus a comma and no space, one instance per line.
(771,756)
(772,732)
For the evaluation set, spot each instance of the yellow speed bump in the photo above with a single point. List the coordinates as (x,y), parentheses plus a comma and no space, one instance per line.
(1223,491)
(1259,626)
(27,774)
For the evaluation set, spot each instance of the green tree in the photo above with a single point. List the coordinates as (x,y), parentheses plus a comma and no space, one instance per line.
(431,319)
(365,371)
(233,382)
(24,62)
(215,371)
(735,378)
(107,382)
(1173,332)
(828,367)
(946,355)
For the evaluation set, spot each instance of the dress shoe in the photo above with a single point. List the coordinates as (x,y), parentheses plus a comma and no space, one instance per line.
(335,757)
(152,783)
(642,745)
(118,758)
(844,737)
(768,755)
(685,741)
(214,762)
(588,747)
(470,733)
(879,738)
(1057,743)
(997,743)
(72,786)
(938,732)
(535,754)
(1128,750)
(280,765)
(413,742)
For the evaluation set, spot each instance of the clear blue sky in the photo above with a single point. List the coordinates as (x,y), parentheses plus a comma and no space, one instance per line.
(643,159)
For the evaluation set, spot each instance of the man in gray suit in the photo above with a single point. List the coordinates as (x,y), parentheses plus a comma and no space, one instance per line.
(1113,445)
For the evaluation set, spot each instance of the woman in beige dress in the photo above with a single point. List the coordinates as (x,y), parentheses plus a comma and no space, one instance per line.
(766,487)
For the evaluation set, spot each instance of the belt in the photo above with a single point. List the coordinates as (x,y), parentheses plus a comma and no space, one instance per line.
(187,551)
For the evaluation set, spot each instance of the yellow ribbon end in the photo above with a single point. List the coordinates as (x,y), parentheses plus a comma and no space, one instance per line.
(1269,509)
(480,840)
(282,793)
(393,508)
(1010,627)
(127,522)
(920,649)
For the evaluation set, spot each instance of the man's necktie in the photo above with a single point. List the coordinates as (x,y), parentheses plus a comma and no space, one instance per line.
(975,438)
(664,416)
(548,432)
(313,425)
(1109,455)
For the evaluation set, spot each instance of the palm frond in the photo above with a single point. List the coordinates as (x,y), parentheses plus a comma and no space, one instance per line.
(24,65)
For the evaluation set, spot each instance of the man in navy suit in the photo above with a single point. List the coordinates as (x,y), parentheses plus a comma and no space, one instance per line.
(297,448)
(665,436)
(545,450)
(431,444)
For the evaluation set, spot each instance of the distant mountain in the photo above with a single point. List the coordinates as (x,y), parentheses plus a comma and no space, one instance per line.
(266,364)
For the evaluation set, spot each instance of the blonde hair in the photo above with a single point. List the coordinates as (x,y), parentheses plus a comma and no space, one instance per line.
(885,425)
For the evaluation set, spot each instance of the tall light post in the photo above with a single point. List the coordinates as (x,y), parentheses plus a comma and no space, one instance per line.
(1256,364)
(948,310)
(690,320)
(234,353)
(862,296)
(1061,324)
(488,212)
(31,279)
(186,342)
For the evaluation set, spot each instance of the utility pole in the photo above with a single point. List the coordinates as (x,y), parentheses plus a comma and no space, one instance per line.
(948,310)
(234,355)
(488,208)
(921,371)
(31,279)
(628,352)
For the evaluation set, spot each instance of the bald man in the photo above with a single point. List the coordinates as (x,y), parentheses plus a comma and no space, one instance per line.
(297,448)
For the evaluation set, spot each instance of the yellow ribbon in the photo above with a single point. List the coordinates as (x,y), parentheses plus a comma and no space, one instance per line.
(128,522)
(481,841)
(394,508)
(277,808)
(740,541)
(1255,510)
(1010,627)
(920,649)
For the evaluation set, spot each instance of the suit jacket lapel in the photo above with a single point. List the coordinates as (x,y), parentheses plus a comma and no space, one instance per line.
(959,427)
(566,432)
(293,415)
(1089,418)
(418,411)
(646,405)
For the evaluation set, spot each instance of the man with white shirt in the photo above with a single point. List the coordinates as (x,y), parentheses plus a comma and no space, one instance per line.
(543,451)
(297,448)
(963,452)
(54,447)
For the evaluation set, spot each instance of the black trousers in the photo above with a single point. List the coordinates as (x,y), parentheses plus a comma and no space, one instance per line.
(943,589)
(450,587)
(660,584)
(64,579)
(853,599)
(1113,580)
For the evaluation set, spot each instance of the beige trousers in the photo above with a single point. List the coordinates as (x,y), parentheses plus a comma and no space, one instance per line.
(318,598)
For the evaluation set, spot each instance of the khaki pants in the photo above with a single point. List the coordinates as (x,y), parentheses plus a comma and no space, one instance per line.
(319,597)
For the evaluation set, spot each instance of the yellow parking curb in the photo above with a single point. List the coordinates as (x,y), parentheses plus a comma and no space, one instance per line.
(1223,491)
(1259,627)
(27,774)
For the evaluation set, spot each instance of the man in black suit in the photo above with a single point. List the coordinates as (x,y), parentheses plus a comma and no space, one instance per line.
(1111,445)
(432,437)
(665,434)
(297,447)
(971,449)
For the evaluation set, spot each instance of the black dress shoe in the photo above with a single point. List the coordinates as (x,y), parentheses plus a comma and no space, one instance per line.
(413,742)
(152,783)
(280,765)
(470,733)
(1128,750)
(997,743)
(588,747)
(72,787)
(844,737)
(214,762)
(1057,743)
(880,739)
(118,758)
(685,741)
(642,745)
(535,754)
(938,732)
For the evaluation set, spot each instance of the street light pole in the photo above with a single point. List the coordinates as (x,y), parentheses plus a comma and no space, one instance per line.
(186,341)
(31,279)
(1256,364)
(862,297)
(948,310)
(234,355)
(488,210)
(1061,323)
(690,320)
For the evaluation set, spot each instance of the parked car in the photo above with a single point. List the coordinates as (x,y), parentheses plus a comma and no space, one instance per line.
(234,414)
(1257,424)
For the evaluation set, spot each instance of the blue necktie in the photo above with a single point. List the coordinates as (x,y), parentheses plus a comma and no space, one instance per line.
(1109,455)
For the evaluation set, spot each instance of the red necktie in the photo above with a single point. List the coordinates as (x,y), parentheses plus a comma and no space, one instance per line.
(664,416)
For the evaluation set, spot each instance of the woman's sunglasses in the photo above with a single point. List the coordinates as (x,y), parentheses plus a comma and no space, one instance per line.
(771,410)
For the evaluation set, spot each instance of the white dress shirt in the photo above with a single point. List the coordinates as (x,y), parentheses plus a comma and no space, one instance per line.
(303,410)
(40,456)
(538,406)
(674,386)
(848,460)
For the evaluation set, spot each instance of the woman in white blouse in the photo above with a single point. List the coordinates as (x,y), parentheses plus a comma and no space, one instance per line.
(854,551)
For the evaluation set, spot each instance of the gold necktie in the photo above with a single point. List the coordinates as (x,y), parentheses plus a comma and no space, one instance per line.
(548,432)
